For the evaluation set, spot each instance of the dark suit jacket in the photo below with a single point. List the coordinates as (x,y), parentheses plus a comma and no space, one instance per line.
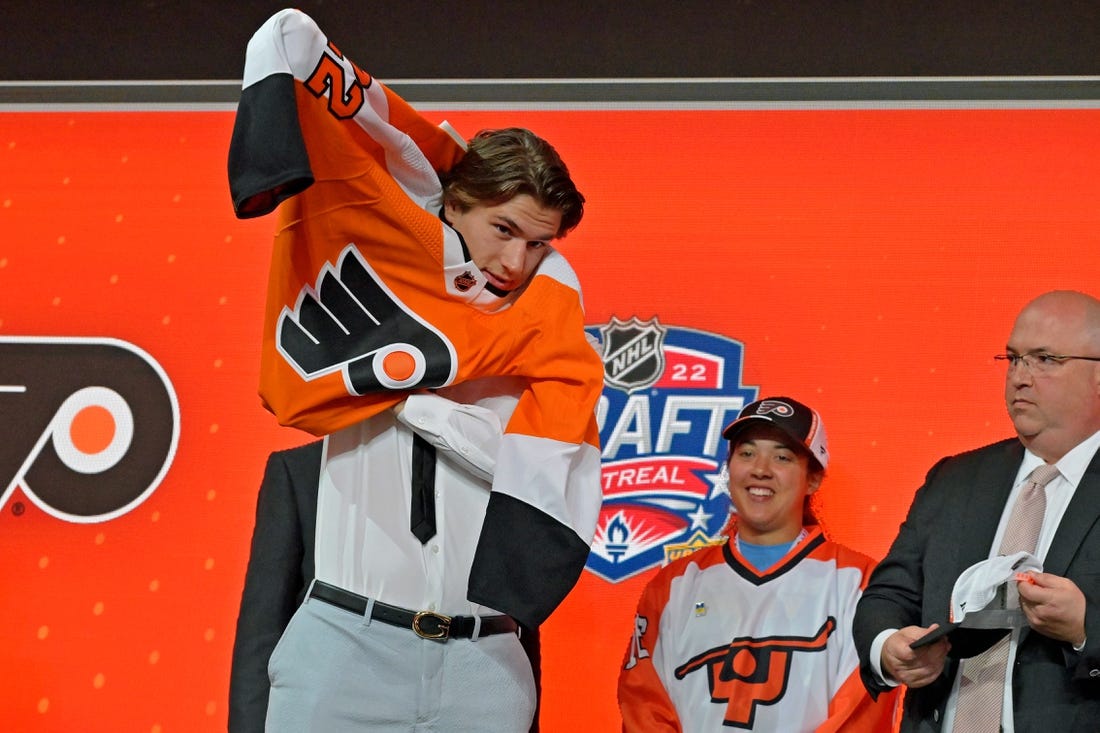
(280,569)
(950,526)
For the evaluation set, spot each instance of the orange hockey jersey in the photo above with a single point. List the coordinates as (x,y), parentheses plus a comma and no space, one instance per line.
(371,295)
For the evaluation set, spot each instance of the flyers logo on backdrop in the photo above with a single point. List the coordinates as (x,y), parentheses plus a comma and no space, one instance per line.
(353,323)
(747,673)
(91,425)
(668,392)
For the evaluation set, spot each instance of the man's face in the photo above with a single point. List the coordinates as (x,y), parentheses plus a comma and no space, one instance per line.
(506,241)
(1054,410)
(769,482)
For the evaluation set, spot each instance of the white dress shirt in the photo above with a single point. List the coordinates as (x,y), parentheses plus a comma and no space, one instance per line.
(364,543)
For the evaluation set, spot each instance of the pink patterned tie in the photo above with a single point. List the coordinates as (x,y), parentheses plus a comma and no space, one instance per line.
(981,689)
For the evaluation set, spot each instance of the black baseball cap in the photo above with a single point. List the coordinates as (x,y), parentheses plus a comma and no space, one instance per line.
(798,421)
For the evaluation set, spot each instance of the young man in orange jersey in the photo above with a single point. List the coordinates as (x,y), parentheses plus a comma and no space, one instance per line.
(420,320)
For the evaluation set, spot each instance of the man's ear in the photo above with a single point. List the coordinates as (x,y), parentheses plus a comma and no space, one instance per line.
(814,482)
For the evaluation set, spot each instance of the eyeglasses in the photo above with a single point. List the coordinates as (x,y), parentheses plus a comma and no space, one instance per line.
(1040,363)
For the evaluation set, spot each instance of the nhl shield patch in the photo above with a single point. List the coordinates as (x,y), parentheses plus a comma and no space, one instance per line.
(633,353)
(668,392)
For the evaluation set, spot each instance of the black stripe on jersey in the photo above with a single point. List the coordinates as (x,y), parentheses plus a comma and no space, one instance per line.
(750,574)
(526,561)
(267,152)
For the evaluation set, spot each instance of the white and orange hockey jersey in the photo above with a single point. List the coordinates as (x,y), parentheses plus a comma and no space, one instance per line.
(371,296)
(719,646)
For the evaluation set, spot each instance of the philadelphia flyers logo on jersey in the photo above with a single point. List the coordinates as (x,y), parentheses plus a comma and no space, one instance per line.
(352,322)
(747,672)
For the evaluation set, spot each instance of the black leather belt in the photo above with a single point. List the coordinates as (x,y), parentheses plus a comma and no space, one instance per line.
(425,624)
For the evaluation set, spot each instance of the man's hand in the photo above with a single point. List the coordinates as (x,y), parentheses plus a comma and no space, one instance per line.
(913,667)
(1054,606)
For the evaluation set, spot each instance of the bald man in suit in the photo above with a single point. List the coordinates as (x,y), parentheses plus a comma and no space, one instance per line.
(957,519)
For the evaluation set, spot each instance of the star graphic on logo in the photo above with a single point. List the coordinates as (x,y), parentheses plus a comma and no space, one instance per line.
(719,484)
(699,518)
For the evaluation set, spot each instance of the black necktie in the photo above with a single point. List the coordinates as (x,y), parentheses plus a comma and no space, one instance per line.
(422,514)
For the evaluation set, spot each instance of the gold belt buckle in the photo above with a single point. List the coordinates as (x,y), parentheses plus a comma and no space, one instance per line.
(443,625)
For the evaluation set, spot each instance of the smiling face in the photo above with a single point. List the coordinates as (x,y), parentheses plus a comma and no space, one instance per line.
(506,241)
(1055,410)
(770,478)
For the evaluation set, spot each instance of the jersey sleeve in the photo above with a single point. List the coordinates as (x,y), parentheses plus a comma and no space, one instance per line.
(644,702)
(469,434)
(546,496)
(851,707)
(272,156)
(852,710)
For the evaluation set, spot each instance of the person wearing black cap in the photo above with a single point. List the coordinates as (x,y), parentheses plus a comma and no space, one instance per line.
(959,556)
(754,634)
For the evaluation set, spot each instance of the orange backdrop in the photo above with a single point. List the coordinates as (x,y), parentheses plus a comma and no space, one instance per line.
(870,262)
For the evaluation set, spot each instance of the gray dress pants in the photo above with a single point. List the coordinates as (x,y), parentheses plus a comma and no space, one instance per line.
(334,671)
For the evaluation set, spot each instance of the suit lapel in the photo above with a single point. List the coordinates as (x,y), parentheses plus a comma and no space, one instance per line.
(986,502)
(1081,514)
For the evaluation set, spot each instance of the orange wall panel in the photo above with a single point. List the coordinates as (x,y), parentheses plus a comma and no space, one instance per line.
(868,261)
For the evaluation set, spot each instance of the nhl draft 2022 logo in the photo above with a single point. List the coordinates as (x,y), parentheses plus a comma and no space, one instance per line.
(668,392)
